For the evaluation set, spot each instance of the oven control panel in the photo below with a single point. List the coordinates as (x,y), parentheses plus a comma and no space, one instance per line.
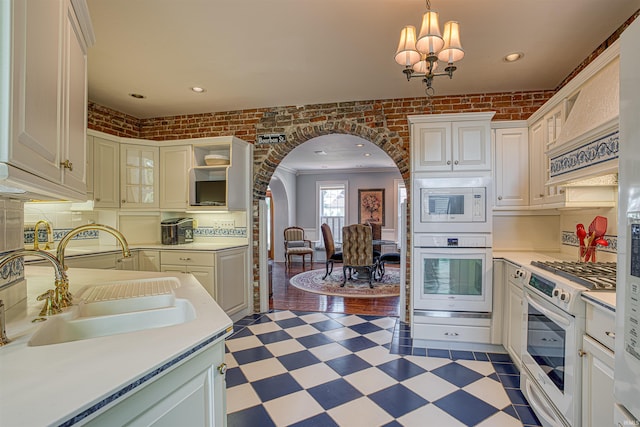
(556,290)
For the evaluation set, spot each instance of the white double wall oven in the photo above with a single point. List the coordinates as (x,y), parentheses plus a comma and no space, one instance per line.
(452,258)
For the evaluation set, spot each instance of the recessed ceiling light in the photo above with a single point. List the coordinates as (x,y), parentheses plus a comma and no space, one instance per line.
(367,154)
(359,145)
(137,96)
(197,89)
(513,57)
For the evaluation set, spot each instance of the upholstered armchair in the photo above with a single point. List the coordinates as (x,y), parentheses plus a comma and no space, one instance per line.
(357,251)
(330,250)
(296,244)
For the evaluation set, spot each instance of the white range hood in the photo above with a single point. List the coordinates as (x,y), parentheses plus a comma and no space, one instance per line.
(587,145)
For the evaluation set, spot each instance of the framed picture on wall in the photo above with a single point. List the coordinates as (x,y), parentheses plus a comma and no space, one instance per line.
(371,205)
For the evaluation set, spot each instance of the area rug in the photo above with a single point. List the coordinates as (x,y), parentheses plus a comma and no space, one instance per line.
(311,281)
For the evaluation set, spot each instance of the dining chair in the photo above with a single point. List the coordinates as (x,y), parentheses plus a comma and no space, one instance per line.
(296,244)
(357,251)
(388,258)
(330,250)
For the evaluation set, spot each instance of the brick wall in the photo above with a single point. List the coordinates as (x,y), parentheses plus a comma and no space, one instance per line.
(382,122)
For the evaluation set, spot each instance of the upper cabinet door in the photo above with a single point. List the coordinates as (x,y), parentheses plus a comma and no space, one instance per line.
(432,146)
(37,79)
(471,146)
(511,169)
(139,173)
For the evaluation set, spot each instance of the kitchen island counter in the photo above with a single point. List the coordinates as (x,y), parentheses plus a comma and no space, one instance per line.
(72,381)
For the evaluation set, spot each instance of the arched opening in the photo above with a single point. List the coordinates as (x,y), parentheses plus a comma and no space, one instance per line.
(267,159)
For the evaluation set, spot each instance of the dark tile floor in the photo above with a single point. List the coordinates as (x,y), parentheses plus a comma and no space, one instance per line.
(326,369)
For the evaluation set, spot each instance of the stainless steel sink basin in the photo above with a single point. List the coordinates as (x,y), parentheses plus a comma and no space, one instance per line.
(117,308)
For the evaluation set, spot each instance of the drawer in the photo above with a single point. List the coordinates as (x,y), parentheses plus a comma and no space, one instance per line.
(187,258)
(477,334)
(600,324)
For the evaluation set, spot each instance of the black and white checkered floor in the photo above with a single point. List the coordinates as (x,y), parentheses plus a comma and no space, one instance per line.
(325,369)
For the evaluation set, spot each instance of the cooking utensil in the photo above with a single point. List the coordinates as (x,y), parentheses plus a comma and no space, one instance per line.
(598,228)
(581,233)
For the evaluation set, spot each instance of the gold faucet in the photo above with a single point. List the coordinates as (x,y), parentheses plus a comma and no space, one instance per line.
(67,237)
(55,299)
(49,244)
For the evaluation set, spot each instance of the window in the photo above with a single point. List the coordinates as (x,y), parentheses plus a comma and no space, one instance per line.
(332,206)
(401,196)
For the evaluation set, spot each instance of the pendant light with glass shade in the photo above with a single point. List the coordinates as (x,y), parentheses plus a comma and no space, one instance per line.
(420,56)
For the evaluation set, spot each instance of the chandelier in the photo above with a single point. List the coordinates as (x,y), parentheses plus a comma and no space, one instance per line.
(420,56)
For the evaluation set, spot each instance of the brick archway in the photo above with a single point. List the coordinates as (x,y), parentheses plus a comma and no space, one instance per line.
(266,160)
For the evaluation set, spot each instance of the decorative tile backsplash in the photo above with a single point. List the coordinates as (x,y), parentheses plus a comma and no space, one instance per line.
(12,272)
(58,234)
(569,238)
(220,232)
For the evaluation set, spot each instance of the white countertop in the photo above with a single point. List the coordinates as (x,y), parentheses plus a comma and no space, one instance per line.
(605,298)
(49,384)
(76,250)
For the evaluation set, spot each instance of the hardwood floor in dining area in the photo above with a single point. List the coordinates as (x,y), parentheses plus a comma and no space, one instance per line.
(287,297)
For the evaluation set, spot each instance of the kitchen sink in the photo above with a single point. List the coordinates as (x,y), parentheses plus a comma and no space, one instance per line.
(117,308)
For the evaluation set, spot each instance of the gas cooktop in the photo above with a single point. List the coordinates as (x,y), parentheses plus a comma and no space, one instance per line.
(595,276)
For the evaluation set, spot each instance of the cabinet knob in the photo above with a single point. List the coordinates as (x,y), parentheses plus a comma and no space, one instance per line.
(67,165)
(97,199)
(455,163)
(448,162)
(499,197)
(123,201)
(610,334)
(222,368)
(582,353)
(540,195)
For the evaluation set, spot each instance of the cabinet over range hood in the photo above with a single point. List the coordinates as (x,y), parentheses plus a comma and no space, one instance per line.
(587,145)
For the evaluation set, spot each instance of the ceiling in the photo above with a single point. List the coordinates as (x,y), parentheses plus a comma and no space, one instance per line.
(265,53)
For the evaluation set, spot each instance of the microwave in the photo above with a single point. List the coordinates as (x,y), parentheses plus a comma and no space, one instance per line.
(210,193)
(459,208)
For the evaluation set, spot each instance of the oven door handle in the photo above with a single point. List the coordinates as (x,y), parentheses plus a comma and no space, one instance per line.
(560,320)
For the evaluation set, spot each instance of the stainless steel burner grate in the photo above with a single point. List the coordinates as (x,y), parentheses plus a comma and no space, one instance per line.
(595,276)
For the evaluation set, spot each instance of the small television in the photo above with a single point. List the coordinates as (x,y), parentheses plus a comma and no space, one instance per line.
(211,193)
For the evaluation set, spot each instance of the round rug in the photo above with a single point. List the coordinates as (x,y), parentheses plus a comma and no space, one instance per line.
(311,281)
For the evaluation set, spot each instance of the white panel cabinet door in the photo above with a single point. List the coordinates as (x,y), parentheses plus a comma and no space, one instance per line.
(37,77)
(432,146)
(231,280)
(597,384)
(106,173)
(471,146)
(512,167)
(75,105)
(538,163)
(174,179)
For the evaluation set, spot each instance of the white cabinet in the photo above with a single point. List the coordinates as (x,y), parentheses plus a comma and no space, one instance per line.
(191,393)
(139,176)
(221,183)
(231,280)
(540,193)
(512,313)
(149,260)
(44,97)
(451,142)
(223,273)
(175,162)
(598,362)
(199,263)
(106,173)
(597,384)
(511,171)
